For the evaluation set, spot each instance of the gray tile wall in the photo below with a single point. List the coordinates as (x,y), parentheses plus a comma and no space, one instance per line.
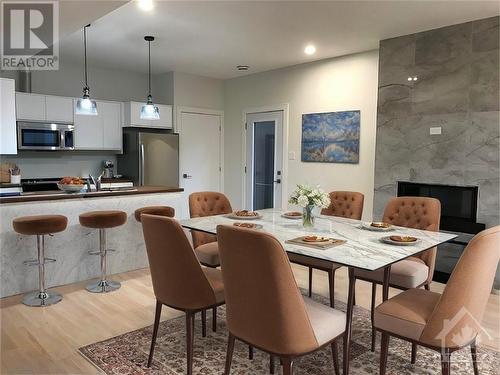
(457,89)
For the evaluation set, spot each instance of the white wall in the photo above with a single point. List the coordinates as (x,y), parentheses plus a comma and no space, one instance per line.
(197,91)
(339,84)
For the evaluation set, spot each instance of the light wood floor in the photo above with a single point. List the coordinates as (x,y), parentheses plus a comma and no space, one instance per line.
(45,340)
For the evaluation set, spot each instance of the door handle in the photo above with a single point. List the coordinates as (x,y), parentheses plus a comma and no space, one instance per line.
(185,175)
(278,181)
(142,165)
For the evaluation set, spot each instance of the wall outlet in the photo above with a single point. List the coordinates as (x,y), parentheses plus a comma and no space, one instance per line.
(435,130)
(291,155)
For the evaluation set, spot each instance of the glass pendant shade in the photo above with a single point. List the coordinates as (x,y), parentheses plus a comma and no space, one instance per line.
(85,105)
(149,111)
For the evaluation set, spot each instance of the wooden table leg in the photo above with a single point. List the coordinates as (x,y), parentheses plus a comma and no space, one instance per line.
(385,287)
(347,336)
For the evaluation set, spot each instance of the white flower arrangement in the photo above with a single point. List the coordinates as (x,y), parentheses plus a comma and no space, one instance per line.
(305,196)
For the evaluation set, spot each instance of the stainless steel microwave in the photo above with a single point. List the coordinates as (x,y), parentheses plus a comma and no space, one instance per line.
(45,136)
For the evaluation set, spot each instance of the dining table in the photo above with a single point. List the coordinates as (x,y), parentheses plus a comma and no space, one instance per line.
(361,246)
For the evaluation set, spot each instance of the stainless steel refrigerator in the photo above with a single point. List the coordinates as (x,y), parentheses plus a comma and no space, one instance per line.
(150,157)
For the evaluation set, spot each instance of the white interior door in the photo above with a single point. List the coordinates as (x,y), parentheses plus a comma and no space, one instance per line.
(264,160)
(199,153)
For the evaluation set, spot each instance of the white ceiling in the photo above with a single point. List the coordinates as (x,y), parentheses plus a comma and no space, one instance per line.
(210,38)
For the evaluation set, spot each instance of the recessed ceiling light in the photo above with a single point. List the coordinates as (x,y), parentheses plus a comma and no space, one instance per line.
(146,5)
(310,49)
(242,68)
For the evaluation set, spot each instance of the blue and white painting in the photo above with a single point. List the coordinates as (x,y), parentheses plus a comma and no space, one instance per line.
(331,137)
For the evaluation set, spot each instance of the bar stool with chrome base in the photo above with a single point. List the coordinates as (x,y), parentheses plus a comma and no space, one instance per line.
(40,226)
(103,220)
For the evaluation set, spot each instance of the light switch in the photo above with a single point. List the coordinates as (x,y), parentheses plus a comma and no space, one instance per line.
(291,155)
(435,130)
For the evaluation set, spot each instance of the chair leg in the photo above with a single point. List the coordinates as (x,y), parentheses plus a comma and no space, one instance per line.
(189,341)
(473,352)
(310,281)
(372,315)
(287,366)
(250,352)
(229,354)
(445,362)
(214,319)
(331,285)
(155,331)
(384,349)
(271,364)
(203,323)
(427,287)
(413,353)
(335,355)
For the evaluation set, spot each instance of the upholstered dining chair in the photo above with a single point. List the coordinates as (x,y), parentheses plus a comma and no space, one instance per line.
(207,203)
(348,204)
(414,272)
(264,306)
(179,281)
(450,321)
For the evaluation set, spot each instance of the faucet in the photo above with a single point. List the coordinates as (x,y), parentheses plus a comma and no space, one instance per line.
(95,181)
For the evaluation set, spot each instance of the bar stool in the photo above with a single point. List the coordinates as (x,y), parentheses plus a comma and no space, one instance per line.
(102,220)
(40,226)
(154,210)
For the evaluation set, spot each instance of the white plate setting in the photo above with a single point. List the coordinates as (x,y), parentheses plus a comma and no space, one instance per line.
(388,240)
(293,217)
(368,226)
(236,217)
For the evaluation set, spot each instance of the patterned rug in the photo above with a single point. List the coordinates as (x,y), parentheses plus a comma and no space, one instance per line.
(127,354)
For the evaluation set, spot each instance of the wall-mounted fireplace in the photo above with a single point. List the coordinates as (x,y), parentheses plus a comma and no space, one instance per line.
(458,204)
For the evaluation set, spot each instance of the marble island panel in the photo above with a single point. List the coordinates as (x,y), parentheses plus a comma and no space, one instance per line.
(70,248)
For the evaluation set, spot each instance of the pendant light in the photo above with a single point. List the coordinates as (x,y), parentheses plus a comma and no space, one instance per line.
(149,111)
(85,105)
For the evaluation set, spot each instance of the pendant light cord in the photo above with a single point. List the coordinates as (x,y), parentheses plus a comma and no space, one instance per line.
(149,67)
(85,53)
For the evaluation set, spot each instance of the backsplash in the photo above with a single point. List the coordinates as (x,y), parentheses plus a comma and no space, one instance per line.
(59,164)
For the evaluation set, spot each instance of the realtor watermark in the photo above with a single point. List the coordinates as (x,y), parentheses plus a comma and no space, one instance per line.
(30,35)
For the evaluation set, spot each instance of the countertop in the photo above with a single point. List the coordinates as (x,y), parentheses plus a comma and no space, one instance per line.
(57,194)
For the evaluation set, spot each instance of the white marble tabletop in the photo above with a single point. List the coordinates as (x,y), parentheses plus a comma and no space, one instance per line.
(363,248)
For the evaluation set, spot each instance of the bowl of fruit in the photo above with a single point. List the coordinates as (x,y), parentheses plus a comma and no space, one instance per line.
(71,184)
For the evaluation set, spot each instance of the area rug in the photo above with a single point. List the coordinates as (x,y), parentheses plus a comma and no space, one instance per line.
(127,354)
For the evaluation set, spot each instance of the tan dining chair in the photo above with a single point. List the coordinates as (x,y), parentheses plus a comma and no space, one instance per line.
(201,204)
(264,306)
(450,321)
(348,204)
(414,272)
(179,281)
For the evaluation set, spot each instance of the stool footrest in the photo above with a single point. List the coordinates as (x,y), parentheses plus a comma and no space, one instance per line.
(34,262)
(97,252)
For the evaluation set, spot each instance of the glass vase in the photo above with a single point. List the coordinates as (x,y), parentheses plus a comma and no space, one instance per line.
(308,216)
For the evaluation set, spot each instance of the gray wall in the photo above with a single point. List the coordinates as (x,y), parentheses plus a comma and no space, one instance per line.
(457,89)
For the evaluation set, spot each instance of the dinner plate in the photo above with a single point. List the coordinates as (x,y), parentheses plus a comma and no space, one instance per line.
(368,226)
(293,217)
(241,225)
(388,240)
(236,217)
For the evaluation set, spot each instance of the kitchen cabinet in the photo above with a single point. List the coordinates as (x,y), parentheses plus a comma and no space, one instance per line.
(132,111)
(8,139)
(30,107)
(59,109)
(101,132)
(36,107)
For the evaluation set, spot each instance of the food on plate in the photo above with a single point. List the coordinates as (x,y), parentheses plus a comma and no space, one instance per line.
(72,181)
(315,239)
(293,213)
(245,225)
(246,213)
(403,238)
(380,224)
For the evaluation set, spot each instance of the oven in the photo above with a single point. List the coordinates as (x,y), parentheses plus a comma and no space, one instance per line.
(45,136)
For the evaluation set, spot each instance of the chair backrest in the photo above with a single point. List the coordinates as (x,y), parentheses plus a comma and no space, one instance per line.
(347,204)
(178,279)
(419,213)
(264,306)
(207,203)
(457,317)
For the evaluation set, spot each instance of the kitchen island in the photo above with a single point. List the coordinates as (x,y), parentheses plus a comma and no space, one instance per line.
(70,248)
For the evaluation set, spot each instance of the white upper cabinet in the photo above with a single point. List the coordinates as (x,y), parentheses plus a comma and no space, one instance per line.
(132,111)
(30,107)
(8,139)
(101,132)
(59,109)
